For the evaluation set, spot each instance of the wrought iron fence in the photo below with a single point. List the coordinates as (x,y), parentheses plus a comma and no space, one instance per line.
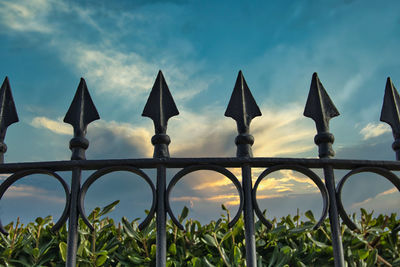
(242,107)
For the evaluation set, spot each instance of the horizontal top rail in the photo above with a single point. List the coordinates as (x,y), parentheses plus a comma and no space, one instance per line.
(257,162)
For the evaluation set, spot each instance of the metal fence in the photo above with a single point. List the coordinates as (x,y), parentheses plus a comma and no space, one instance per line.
(242,108)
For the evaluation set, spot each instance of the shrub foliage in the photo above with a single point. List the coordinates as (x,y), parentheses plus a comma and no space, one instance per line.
(291,242)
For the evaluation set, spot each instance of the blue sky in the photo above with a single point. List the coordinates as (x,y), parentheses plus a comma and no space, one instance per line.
(200,46)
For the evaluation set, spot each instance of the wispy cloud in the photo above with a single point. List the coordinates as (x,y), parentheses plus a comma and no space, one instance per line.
(55,126)
(106,136)
(377,199)
(19,191)
(26,16)
(374,130)
(108,67)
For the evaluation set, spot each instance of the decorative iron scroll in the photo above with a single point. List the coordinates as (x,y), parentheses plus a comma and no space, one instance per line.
(242,107)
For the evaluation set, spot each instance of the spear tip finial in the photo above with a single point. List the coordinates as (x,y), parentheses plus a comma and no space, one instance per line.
(160,105)
(82,110)
(7,106)
(390,108)
(319,106)
(242,106)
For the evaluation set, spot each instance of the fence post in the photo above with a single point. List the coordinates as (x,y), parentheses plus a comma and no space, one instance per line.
(160,107)
(243,108)
(390,114)
(81,112)
(321,109)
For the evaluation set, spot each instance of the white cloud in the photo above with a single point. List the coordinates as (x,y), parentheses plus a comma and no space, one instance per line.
(19,191)
(137,137)
(385,200)
(56,126)
(374,129)
(111,71)
(26,16)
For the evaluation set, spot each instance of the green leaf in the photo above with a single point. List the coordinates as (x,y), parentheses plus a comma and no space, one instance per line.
(362,253)
(184,214)
(275,255)
(196,262)
(237,255)
(35,253)
(63,250)
(310,215)
(108,208)
(278,229)
(207,263)
(372,258)
(101,260)
(39,220)
(172,249)
(153,250)
(209,240)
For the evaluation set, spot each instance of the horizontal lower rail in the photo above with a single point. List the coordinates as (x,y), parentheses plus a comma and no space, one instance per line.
(149,163)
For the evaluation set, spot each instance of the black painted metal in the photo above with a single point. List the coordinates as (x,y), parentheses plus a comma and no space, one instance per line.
(194,168)
(8,114)
(321,109)
(242,107)
(307,172)
(160,107)
(81,112)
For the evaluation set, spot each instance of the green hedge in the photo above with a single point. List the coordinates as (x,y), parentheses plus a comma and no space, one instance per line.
(291,242)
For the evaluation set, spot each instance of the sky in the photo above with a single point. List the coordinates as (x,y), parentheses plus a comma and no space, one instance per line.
(119,46)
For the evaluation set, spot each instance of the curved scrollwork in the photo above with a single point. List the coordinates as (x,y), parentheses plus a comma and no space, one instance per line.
(194,168)
(307,172)
(96,175)
(19,175)
(391,177)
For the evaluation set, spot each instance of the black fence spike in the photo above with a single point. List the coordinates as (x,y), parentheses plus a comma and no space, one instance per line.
(390,113)
(8,114)
(81,112)
(321,109)
(7,107)
(160,107)
(319,105)
(390,109)
(242,108)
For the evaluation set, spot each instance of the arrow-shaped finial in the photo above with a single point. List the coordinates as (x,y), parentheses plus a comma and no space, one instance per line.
(8,114)
(319,105)
(390,113)
(321,109)
(390,109)
(242,108)
(160,107)
(81,112)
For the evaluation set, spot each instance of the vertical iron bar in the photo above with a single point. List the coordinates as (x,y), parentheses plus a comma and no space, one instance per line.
(243,108)
(251,258)
(73,218)
(160,107)
(321,109)
(334,218)
(80,113)
(161,240)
